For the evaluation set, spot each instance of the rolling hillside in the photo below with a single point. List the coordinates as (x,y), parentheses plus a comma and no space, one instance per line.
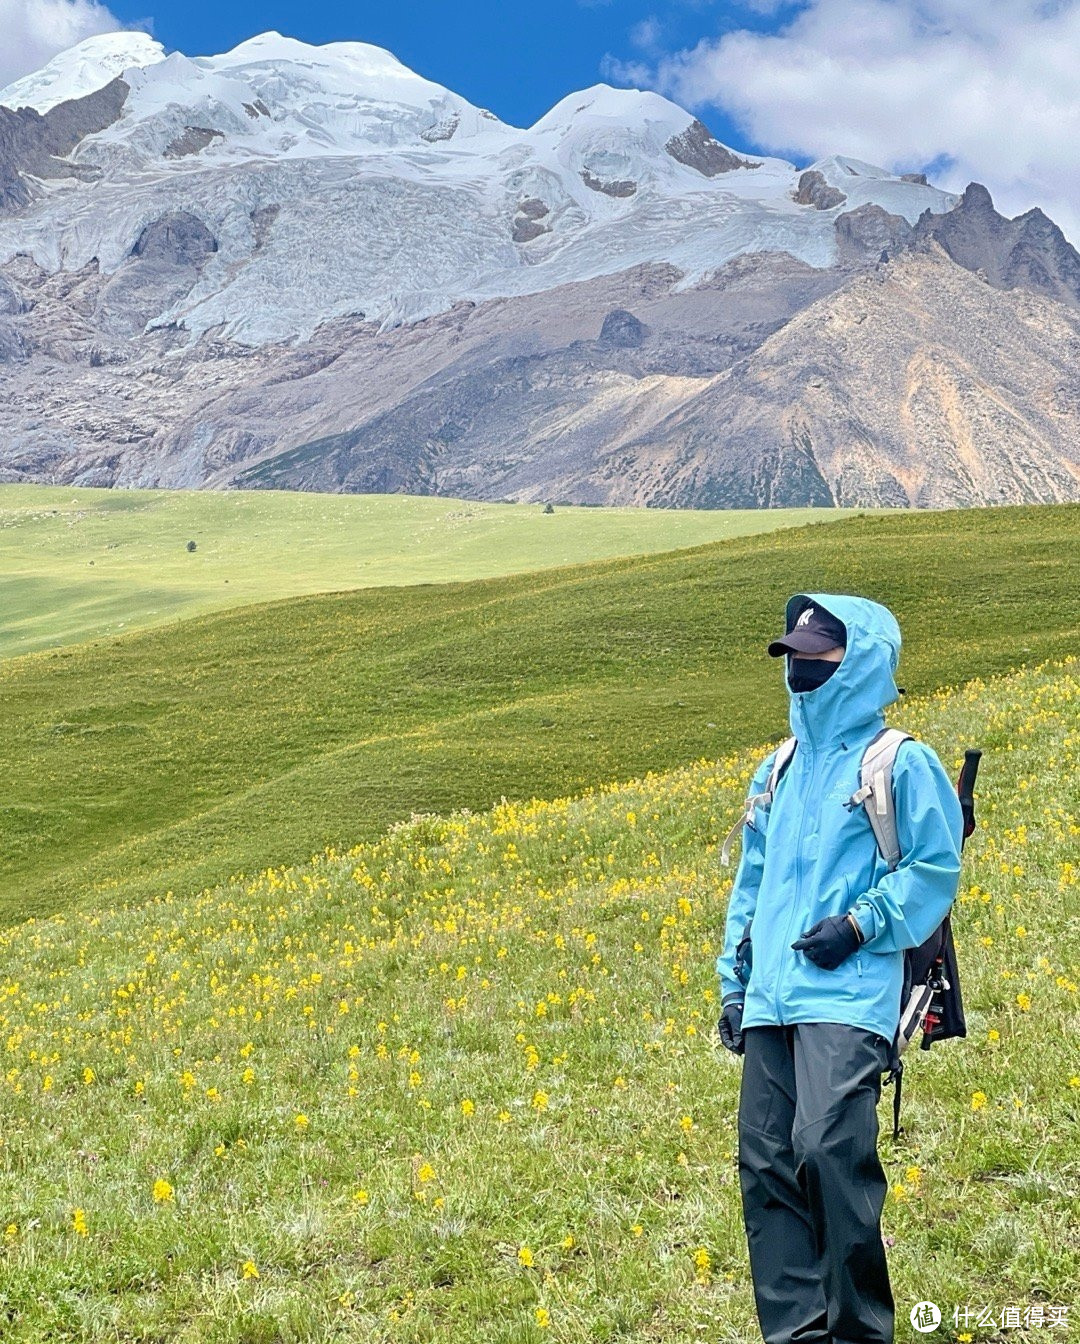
(462,1083)
(170,759)
(79,564)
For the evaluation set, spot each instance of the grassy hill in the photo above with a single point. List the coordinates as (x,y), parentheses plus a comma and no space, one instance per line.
(171,759)
(462,1083)
(81,564)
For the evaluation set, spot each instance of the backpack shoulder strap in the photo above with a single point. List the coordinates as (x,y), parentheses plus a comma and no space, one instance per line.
(782,759)
(875,791)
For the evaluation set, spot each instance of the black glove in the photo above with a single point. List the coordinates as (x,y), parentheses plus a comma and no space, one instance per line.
(730,1025)
(829,942)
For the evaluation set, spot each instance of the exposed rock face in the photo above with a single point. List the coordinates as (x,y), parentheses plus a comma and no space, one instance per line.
(525,230)
(789,423)
(12,345)
(193,140)
(177,239)
(442,130)
(913,384)
(34,144)
(1028,252)
(527,222)
(871,234)
(509,377)
(814,190)
(698,149)
(262,220)
(620,188)
(11,301)
(623,329)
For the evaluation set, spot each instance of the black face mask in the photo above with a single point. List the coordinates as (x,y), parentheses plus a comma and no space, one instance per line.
(807,674)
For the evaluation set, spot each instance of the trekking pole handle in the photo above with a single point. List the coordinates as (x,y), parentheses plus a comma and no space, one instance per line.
(965,787)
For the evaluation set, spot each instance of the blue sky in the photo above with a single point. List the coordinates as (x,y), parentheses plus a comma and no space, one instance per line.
(517,59)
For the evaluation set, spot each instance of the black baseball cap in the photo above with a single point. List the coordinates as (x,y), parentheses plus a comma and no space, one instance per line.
(811,629)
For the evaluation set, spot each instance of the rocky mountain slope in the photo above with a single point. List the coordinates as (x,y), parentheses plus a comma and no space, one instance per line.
(310,268)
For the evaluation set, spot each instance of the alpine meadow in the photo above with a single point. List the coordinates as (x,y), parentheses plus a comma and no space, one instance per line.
(171,759)
(461,1082)
(456,1076)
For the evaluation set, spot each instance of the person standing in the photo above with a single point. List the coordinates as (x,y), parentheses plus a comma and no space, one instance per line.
(811,975)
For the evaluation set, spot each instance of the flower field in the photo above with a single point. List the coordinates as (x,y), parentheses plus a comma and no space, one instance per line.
(463,1084)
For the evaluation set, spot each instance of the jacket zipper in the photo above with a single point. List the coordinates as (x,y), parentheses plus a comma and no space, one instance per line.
(809,793)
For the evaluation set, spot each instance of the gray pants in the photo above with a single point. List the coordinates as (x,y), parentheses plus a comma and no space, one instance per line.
(812,1184)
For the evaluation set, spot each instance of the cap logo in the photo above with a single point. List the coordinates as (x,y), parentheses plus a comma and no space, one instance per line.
(804,617)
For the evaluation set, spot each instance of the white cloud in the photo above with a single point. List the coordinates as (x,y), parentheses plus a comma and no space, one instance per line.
(989,90)
(35,30)
(646,34)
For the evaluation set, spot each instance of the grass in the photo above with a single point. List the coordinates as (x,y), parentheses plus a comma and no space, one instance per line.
(462,1082)
(81,564)
(174,758)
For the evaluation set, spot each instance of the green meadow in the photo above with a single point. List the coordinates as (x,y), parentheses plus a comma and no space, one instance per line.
(462,1083)
(81,564)
(170,759)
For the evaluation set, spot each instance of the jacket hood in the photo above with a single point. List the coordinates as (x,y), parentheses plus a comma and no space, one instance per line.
(852,702)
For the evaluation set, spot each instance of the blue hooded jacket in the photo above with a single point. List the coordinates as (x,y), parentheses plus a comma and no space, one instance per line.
(808,857)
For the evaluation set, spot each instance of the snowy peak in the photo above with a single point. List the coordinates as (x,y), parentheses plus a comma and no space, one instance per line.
(341,69)
(82,69)
(603,105)
(279,97)
(618,140)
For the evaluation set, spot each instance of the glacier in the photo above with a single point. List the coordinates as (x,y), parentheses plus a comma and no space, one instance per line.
(335,182)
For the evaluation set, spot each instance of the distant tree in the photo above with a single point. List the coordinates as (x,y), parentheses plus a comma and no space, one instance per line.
(549,507)
(191,545)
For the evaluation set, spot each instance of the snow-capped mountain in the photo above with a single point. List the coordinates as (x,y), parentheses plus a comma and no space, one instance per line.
(82,69)
(393,197)
(312,267)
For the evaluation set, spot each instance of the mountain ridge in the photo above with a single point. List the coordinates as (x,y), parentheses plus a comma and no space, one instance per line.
(312,268)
